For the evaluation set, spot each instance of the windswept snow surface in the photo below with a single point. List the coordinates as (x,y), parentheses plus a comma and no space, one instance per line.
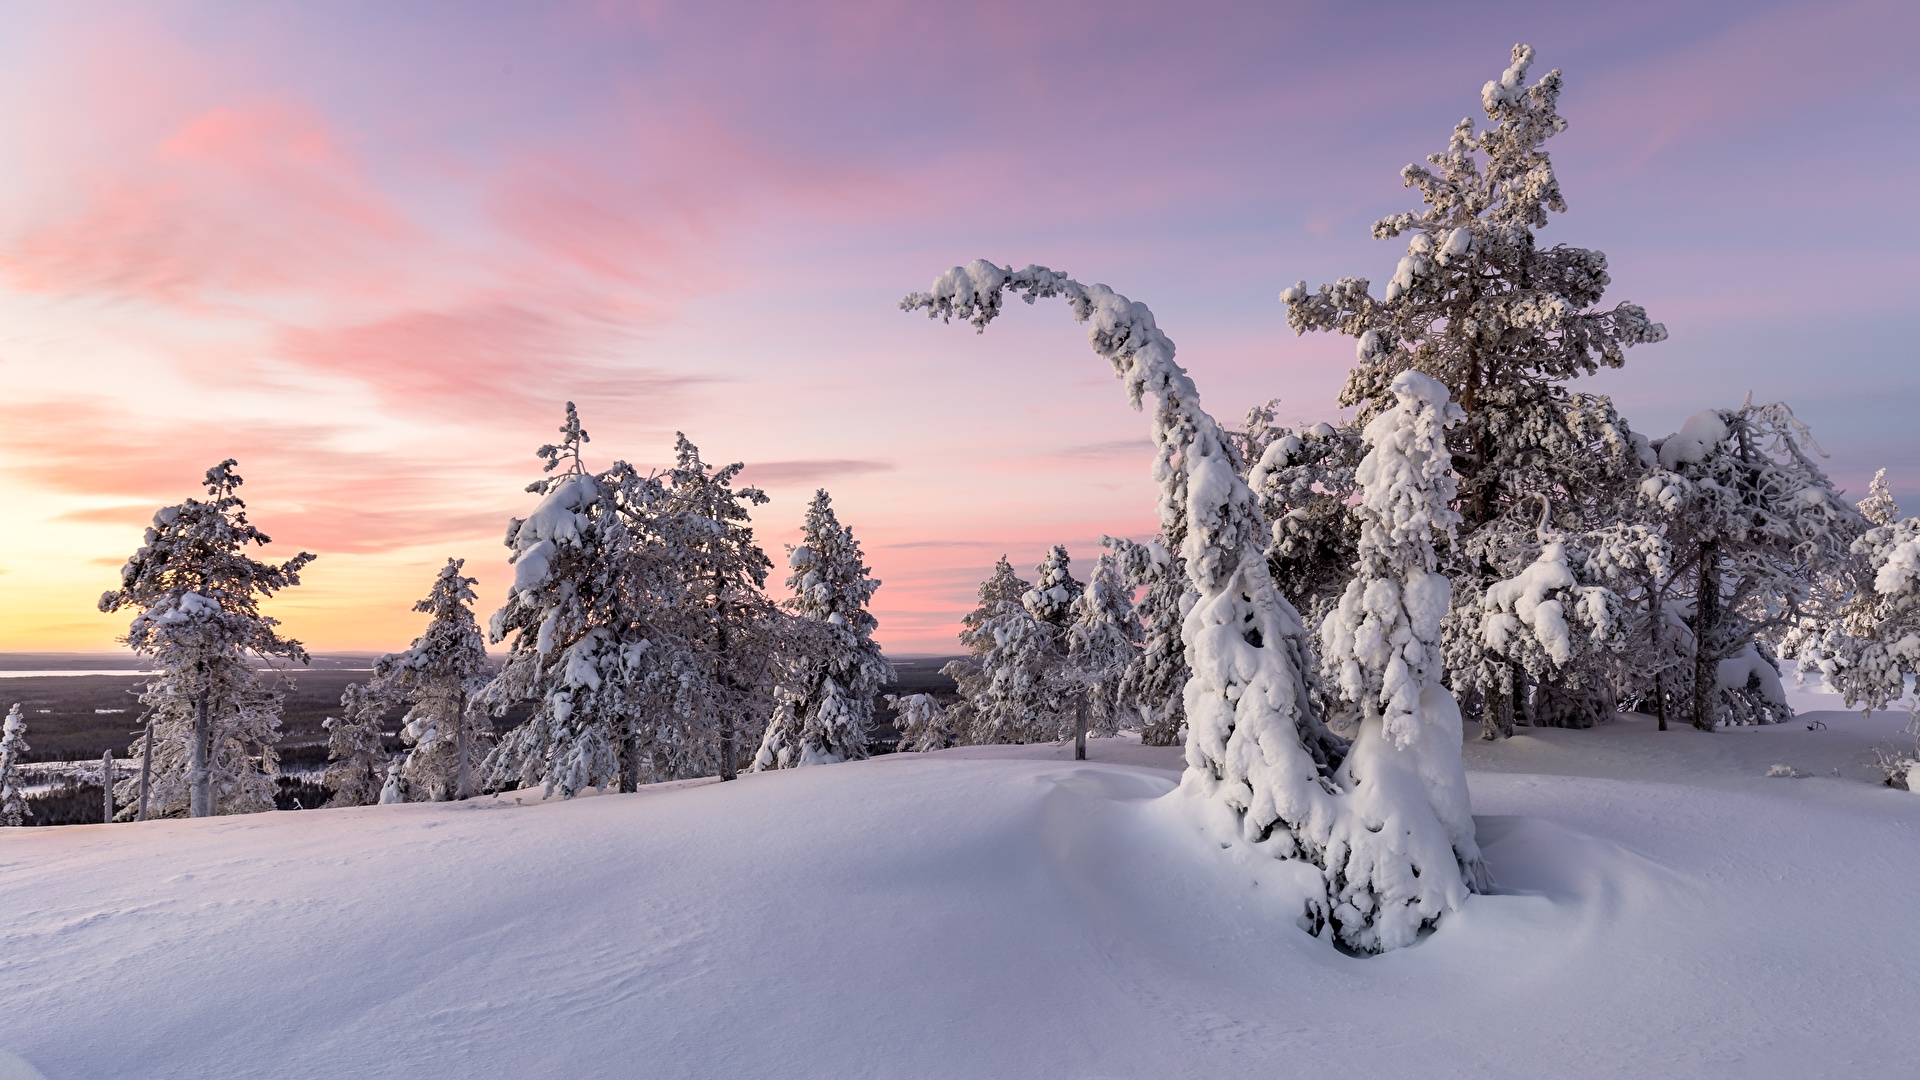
(1667,910)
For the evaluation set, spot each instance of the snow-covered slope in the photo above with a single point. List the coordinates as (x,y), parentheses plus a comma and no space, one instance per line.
(986,913)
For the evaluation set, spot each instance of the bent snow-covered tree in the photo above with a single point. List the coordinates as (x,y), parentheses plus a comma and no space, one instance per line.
(198,595)
(833,668)
(1262,768)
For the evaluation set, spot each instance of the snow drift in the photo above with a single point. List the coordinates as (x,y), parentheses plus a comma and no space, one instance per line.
(979,913)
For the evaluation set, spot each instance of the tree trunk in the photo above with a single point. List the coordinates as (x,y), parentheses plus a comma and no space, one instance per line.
(1496,710)
(1522,706)
(462,780)
(630,761)
(199,768)
(1706,621)
(146,770)
(1080,728)
(106,782)
(1659,657)
(727,769)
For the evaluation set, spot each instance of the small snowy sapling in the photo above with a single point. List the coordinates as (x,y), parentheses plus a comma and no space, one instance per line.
(922,723)
(13,748)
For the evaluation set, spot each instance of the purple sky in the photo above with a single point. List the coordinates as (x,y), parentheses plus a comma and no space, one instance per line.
(369,249)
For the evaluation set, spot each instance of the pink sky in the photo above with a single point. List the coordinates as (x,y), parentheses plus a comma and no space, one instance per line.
(370,249)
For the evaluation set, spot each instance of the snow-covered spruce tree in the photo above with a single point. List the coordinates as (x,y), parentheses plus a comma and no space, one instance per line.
(1262,768)
(594,614)
(1031,693)
(1000,592)
(1381,645)
(1503,323)
(436,677)
(13,749)
(357,759)
(733,629)
(1024,699)
(1155,681)
(921,722)
(1102,642)
(1753,523)
(831,677)
(198,595)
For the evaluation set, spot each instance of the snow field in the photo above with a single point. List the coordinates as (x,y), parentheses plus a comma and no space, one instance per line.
(987,912)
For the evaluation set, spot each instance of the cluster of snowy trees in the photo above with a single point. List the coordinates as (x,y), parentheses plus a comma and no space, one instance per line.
(1591,568)
(637,630)
(1481,537)
(1052,660)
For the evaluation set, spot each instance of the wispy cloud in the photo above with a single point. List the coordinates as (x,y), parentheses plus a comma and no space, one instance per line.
(788,472)
(912,544)
(1140,448)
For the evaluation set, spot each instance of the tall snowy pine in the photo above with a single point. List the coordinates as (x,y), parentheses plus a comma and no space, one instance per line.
(598,641)
(733,629)
(833,667)
(198,594)
(1262,769)
(1478,304)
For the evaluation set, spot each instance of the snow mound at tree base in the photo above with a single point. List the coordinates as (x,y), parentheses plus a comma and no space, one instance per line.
(960,914)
